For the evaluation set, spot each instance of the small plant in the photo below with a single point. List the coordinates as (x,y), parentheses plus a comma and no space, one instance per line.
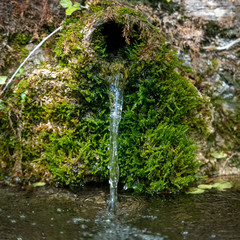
(3,80)
(21,70)
(220,186)
(70,7)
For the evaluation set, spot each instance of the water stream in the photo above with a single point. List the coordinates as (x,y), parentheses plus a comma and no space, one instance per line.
(116,103)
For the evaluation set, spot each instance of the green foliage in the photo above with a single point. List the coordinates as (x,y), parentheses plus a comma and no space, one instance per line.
(1,105)
(155,152)
(65,118)
(66,3)
(23,38)
(23,97)
(21,71)
(3,80)
(220,186)
(163,158)
(127,11)
(219,155)
(38,184)
(70,8)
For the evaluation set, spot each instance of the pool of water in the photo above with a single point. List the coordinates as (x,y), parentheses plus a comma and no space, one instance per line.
(53,214)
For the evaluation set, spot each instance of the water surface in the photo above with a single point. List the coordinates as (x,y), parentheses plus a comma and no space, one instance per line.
(50,213)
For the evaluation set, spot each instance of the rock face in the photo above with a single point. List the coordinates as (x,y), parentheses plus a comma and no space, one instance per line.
(207,37)
(213,10)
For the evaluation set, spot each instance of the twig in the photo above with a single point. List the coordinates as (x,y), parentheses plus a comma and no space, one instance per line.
(30,54)
(227,160)
(226,47)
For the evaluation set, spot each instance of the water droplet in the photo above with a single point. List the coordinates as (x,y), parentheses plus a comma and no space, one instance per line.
(59,210)
(13,221)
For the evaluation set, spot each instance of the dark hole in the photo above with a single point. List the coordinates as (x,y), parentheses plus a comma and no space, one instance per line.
(114,39)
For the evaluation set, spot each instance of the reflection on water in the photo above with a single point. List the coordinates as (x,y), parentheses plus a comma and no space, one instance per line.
(47,213)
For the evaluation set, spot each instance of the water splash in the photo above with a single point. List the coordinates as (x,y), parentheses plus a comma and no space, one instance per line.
(116,103)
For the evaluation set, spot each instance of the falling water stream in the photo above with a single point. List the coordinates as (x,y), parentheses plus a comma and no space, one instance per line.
(116,103)
(116,79)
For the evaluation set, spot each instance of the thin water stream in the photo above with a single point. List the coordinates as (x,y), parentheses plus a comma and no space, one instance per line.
(116,78)
(116,103)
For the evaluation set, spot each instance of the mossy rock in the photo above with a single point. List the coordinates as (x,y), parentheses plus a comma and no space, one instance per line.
(61,127)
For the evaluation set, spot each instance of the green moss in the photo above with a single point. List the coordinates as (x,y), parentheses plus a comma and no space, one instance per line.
(23,38)
(65,117)
(125,10)
(96,8)
(213,68)
(17,51)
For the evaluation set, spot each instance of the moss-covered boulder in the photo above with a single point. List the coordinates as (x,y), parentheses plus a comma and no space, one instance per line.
(55,124)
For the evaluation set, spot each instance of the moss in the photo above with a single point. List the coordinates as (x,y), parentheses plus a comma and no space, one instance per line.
(213,68)
(96,9)
(15,53)
(125,10)
(65,117)
(19,42)
(23,38)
